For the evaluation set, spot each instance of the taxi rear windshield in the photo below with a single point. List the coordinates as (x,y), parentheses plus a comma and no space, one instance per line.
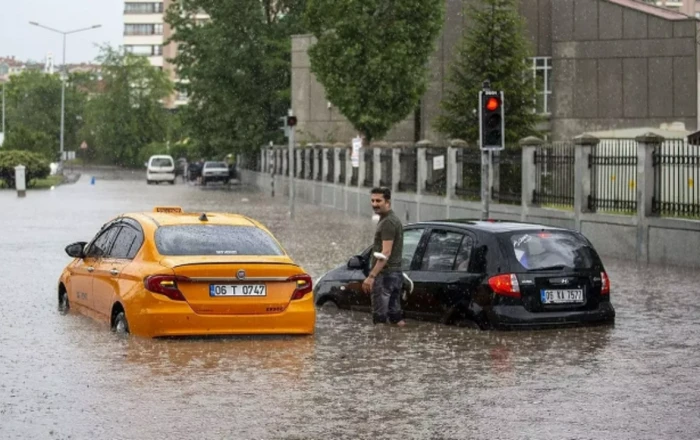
(215,240)
(545,250)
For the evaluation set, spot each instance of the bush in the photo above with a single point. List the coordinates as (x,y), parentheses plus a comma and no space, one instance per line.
(37,166)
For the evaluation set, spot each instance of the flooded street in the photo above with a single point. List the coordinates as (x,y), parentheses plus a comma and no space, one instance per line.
(69,377)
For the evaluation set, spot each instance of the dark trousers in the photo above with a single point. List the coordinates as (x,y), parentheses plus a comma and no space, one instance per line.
(386,297)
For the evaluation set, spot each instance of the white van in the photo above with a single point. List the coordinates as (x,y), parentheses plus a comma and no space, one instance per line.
(160,168)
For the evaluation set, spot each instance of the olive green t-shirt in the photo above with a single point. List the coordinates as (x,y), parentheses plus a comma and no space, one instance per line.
(389,228)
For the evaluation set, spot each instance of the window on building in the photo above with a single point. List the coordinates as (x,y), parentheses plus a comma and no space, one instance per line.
(143,29)
(145,50)
(143,8)
(542,76)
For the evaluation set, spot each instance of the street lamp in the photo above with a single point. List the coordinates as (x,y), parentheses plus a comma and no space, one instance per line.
(64,74)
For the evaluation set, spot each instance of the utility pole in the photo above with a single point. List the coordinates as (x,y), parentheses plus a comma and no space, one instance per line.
(2,140)
(291,123)
(64,76)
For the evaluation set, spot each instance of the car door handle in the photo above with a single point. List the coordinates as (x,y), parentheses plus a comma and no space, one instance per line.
(90,269)
(114,272)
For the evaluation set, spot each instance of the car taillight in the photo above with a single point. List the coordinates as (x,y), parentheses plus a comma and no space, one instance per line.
(165,285)
(506,285)
(304,285)
(604,284)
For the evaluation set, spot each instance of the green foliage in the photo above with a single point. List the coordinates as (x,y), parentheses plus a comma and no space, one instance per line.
(37,167)
(33,106)
(238,67)
(372,57)
(22,138)
(495,48)
(128,115)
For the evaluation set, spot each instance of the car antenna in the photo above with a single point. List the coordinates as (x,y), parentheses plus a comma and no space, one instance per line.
(203,217)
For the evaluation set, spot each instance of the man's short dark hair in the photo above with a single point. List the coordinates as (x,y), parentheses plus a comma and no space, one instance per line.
(385,192)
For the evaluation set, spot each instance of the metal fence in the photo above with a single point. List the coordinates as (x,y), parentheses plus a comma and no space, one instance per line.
(330,160)
(369,167)
(676,179)
(469,169)
(613,170)
(436,182)
(318,154)
(342,157)
(554,182)
(409,170)
(509,189)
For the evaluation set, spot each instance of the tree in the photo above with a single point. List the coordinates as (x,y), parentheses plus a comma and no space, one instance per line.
(236,69)
(128,114)
(34,113)
(372,56)
(494,47)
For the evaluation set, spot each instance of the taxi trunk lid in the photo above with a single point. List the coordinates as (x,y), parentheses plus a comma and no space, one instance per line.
(236,286)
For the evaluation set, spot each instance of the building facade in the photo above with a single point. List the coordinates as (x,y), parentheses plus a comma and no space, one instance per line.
(598,65)
(146,33)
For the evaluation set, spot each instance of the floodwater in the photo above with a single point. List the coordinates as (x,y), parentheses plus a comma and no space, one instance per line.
(68,377)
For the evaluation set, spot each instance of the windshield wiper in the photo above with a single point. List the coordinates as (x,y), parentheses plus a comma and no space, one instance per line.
(543,269)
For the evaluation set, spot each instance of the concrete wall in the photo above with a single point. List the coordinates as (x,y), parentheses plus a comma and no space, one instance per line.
(618,67)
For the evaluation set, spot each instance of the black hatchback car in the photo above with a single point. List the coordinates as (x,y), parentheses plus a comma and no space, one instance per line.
(488,275)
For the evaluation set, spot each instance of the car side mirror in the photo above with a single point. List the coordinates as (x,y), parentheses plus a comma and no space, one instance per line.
(355,263)
(76,250)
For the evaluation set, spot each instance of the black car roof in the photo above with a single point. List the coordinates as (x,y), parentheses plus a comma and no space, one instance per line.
(493,226)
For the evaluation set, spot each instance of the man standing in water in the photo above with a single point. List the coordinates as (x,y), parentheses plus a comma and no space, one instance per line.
(385,280)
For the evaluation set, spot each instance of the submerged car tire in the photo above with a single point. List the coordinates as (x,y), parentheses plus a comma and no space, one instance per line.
(120,325)
(63,303)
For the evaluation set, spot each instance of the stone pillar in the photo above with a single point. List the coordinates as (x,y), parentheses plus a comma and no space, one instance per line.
(422,165)
(646,144)
(263,160)
(395,169)
(21,180)
(377,164)
(453,168)
(324,162)
(348,166)
(529,173)
(336,164)
(583,145)
(361,169)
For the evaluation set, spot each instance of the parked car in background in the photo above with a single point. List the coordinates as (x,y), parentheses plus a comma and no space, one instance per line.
(160,168)
(487,275)
(215,172)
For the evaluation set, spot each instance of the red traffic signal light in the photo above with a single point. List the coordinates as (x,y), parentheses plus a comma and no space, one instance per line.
(492,104)
(291,121)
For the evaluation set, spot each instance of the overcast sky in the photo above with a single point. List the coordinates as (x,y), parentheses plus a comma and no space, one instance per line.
(27,42)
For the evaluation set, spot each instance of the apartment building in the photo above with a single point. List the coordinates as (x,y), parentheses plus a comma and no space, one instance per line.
(146,33)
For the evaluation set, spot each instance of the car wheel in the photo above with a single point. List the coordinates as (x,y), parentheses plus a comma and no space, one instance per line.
(150,182)
(120,325)
(204,182)
(63,303)
(172,182)
(328,305)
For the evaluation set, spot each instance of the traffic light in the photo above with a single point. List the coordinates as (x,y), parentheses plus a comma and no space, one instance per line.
(291,121)
(491,120)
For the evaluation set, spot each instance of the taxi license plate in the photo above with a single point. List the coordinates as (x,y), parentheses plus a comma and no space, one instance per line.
(237,290)
(565,296)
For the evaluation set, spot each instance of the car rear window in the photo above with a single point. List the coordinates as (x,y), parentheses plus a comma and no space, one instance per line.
(215,240)
(216,165)
(539,250)
(161,162)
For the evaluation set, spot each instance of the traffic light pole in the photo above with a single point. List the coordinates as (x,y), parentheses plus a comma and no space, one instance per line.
(291,167)
(485,187)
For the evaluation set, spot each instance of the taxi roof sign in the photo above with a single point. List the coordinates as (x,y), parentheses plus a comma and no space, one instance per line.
(168,209)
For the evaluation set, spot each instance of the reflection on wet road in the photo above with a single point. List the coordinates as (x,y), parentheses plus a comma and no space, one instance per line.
(69,377)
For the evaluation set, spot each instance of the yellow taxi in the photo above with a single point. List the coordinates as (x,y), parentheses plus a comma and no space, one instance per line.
(173,273)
